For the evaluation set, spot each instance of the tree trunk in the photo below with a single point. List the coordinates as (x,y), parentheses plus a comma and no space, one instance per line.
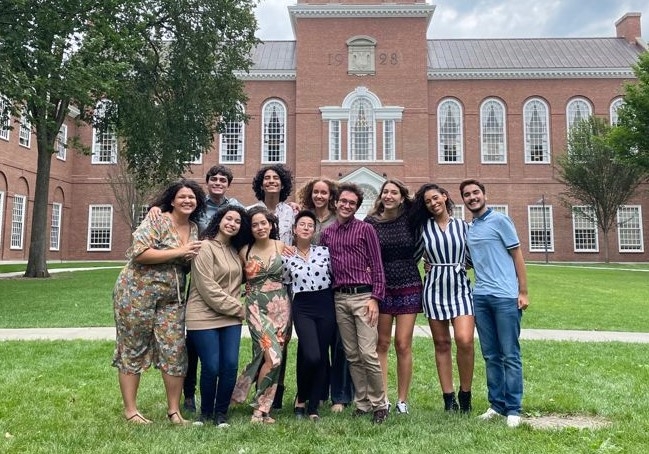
(606,257)
(37,263)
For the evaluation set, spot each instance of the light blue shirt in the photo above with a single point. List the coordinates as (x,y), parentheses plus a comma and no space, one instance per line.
(211,208)
(490,238)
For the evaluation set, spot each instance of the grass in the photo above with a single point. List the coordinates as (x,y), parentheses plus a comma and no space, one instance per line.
(64,398)
(16,267)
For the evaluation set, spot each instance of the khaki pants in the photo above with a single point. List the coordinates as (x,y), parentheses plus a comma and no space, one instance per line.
(359,340)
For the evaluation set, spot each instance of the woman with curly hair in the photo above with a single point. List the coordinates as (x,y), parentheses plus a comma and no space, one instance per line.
(272,185)
(148,298)
(267,314)
(402,302)
(214,309)
(318,196)
(447,295)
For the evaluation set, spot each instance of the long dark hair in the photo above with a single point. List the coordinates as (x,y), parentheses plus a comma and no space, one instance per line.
(419,214)
(285,177)
(378,207)
(244,234)
(167,196)
(270,217)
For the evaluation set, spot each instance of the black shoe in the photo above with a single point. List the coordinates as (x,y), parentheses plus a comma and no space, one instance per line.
(464,398)
(358,412)
(379,416)
(189,404)
(450,403)
(299,412)
(221,420)
(279,396)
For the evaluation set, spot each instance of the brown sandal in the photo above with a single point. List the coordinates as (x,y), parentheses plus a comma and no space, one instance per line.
(179,421)
(137,418)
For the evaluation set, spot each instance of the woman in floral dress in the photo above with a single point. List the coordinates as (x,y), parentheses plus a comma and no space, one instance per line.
(267,314)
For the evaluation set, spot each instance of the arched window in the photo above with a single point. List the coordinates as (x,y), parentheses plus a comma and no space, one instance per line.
(274,132)
(536,132)
(492,132)
(577,109)
(361,130)
(449,135)
(615,105)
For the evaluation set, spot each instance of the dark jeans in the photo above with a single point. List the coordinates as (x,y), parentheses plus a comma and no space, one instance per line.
(218,350)
(340,380)
(189,385)
(315,322)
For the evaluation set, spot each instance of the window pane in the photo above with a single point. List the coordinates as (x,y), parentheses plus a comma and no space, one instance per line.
(334,140)
(232,142)
(361,130)
(274,132)
(18,221)
(492,117)
(629,229)
(540,229)
(389,147)
(55,231)
(100,227)
(536,132)
(450,132)
(584,229)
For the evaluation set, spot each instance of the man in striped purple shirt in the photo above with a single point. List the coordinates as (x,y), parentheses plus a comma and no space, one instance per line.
(359,285)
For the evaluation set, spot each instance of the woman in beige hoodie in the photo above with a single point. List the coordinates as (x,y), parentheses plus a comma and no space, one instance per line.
(214,310)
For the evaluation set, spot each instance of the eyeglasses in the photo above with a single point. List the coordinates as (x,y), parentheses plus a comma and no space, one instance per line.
(306,225)
(351,203)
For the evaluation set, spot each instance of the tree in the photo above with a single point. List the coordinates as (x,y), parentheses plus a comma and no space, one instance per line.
(166,66)
(595,176)
(631,137)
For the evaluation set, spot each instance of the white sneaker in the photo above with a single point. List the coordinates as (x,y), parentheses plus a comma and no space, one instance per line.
(513,421)
(402,407)
(489,414)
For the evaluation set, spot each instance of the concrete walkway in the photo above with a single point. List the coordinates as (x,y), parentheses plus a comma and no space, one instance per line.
(108,333)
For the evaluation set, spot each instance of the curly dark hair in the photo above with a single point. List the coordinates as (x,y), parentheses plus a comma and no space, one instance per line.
(351,187)
(222,170)
(419,214)
(305,194)
(285,177)
(270,217)
(378,207)
(166,197)
(243,236)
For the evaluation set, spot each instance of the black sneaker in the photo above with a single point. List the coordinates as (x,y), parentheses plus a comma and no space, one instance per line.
(220,420)
(379,416)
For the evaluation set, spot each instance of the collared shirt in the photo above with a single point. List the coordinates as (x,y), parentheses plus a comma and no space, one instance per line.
(490,238)
(211,208)
(355,255)
(285,217)
(308,275)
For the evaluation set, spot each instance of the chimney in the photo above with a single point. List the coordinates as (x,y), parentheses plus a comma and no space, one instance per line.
(628,27)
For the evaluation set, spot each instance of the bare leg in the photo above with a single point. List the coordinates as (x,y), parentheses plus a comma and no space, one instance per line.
(128,385)
(463,328)
(173,387)
(442,341)
(403,347)
(383,345)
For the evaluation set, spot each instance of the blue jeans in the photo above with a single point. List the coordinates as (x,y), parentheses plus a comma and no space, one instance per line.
(218,350)
(498,321)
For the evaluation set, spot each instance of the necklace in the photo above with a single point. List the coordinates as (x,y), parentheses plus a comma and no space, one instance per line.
(303,252)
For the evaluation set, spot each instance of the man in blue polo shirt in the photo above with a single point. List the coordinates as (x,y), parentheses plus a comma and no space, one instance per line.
(499,297)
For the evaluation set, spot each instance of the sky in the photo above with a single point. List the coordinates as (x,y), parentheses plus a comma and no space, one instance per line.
(493,18)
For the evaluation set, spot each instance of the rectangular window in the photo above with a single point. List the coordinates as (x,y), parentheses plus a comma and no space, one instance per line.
(232,140)
(104,147)
(4,118)
(541,235)
(2,210)
(389,147)
(139,213)
(61,143)
(334,140)
(55,231)
(197,160)
(504,209)
(100,227)
(25,132)
(629,228)
(584,229)
(458,212)
(18,221)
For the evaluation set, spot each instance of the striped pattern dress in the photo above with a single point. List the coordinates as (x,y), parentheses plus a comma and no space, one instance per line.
(447,291)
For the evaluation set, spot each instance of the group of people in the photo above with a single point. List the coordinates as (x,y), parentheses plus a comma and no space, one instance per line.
(342,282)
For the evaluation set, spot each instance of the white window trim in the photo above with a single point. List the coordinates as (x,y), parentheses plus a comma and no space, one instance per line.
(389,146)
(5,134)
(504,209)
(612,110)
(25,131)
(21,221)
(88,244)
(2,210)
(459,212)
(578,217)
(372,157)
(335,149)
(57,208)
(242,135)
(61,148)
(589,107)
(528,153)
(460,152)
(504,119)
(640,231)
(550,227)
(95,153)
(284,149)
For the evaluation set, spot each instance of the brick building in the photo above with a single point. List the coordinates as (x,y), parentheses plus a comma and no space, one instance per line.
(362,94)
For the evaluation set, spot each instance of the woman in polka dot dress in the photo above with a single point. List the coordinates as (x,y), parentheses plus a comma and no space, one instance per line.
(307,272)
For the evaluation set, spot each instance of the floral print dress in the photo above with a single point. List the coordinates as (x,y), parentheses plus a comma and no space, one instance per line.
(268,317)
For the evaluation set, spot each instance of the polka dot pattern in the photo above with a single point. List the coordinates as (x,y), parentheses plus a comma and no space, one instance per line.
(310,274)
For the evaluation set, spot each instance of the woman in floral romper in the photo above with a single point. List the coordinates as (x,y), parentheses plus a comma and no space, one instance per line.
(148,298)
(267,314)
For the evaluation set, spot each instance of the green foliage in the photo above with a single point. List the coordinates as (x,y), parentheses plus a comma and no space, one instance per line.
(595,176)
(631,137)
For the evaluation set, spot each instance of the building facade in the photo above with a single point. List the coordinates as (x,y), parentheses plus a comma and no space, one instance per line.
(362,95)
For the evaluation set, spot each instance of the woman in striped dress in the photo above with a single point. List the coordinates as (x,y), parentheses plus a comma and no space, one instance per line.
(447,294)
